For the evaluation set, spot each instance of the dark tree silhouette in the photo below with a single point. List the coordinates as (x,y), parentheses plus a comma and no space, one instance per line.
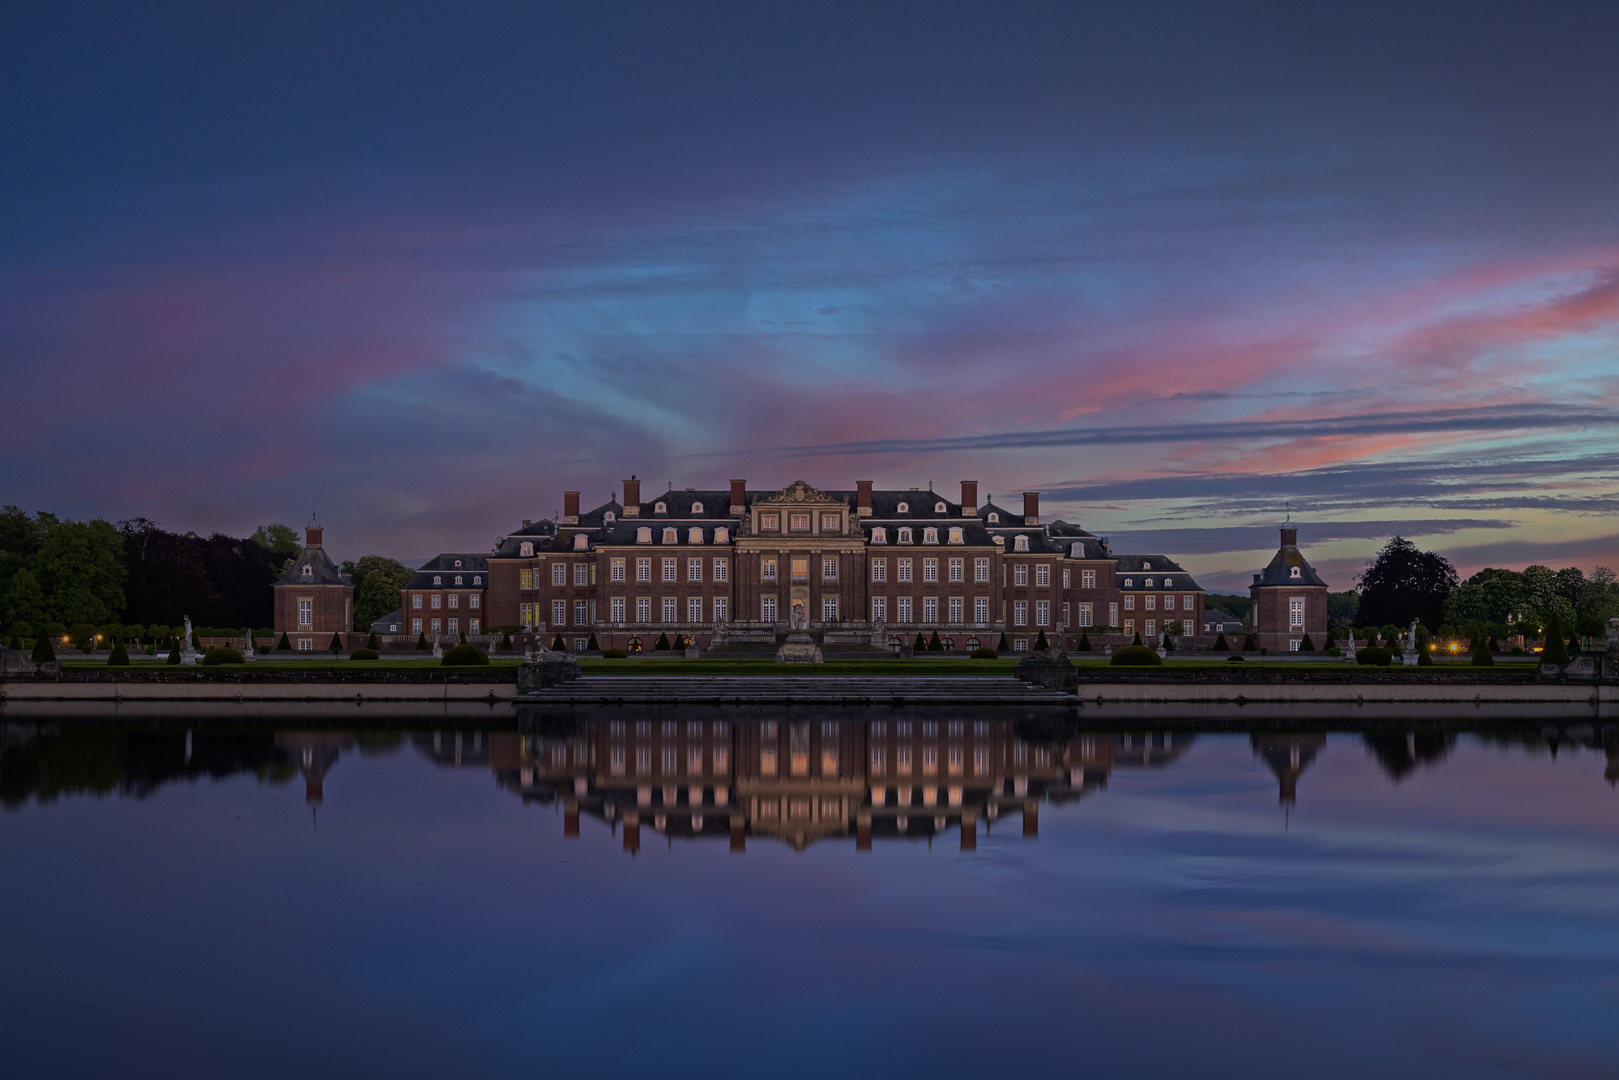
(1402,584)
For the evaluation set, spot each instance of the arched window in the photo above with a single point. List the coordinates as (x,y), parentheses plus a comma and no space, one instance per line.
(903,508)
(1129,583)
(905,536)
(722,536)
(930,536)
(994,518)
(1000,541)
(879,536)
(609,517)
(660,508)
(671,536)
(309,571)
(1021,544)
(458,566)
(1296,573)
(643,535)
(581,542)
(938,508)
(697,508)
(527,550)
(956,536)
(694,536)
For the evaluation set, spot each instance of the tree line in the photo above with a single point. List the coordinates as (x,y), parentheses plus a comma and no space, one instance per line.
(135,580)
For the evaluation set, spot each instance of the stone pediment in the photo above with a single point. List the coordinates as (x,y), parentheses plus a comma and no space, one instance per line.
(800,493)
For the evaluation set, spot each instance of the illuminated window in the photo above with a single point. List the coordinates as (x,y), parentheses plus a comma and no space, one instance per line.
(1020,544)
(798,522)
(879,536)
(671,536)
(527,550)
(643,535)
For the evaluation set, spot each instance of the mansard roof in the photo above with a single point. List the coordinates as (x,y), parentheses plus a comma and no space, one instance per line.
(973,532)
(445,566)
(624,531)
(321,569)
(1280,570)
(1007,519)
(678,505)
(1137,568)
(511,547)
(919,505)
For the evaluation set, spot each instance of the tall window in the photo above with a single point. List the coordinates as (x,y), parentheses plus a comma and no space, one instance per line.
(1020,574)
(1129,603)
(956,536)
(694,609)
(472,601)
(930,536)
(1065,623)
(581,613)
(559,613)
(455,626)
(643,569)
(455,600)
(438,627)
(879,609)
(416,624)
(618,570)
(1295,612)
(306,615)
(1150,602)
(930,569)
(1042,575)
(722,536)
(903,604)
(1042,613)
(1086,610)
(829,608)
(670,567)
(1021,543)
(981,609)
(879,569)
(904,567)
(1020,613)
(930,609)
(694,536)
(829,569)
(527,550)
(722,609)
(669,609)
(643,609)
(1087,579)
(879,536)
(581,574)
(800,567)
(643,535)
(955,570)
(694,569)
(1151,628)
(618,609)
(722,570)
(1113,614)
(436,602)
(1065,578)
(671,536)
(980,570)
(769,605)
(955,609)
(905,536)
(559,574)
(767,567)
(416,601)
(525,579)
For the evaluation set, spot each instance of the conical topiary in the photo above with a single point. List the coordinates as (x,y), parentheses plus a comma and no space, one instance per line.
(590,646)
(421,643)
(1306,645)
(1556,650)
(1249,644)
(1003,646)
(463,640)
(1136,640)
(1084,642)
(285,644)
(506,640)
(174,651)
(15,643)
(374,642)
(119,656)
(661,643)
(920,644)
(43,653)
(934,644)
(1481,652)
(1220,644)
(558,645)
(1040,641)
(337,644)
(1169,643)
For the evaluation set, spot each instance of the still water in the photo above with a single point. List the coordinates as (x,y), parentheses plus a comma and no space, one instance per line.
(859,897)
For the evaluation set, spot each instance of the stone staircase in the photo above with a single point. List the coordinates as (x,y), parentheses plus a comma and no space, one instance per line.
(783,689)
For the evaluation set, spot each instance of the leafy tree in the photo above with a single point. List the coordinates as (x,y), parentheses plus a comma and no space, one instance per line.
(1543,600)
(84,636)
(1403,583)
(21,536)
(218,581)
(1342,607)
(24,599)
(1489,596)
(377,583)
(1233,604)
(277,539)
(81,568)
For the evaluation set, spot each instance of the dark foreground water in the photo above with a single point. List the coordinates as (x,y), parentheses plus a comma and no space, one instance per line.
(650,900)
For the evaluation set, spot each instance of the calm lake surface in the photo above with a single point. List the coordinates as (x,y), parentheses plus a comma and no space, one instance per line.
(739,897)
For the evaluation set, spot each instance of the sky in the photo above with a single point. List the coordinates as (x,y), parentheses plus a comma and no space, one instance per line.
(1182,268)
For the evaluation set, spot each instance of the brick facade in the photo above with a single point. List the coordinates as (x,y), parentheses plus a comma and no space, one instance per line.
(312,600)
(1289,600)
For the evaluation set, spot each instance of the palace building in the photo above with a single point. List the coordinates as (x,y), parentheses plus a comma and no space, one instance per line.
(862,567)
(313,600)
(1289,599)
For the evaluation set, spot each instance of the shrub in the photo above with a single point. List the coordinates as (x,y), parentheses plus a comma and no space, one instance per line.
(365,654)
(1084,643)
(337,644)
(22,629)
(920,644)
(1003,646)
(1221,645)
(1137,641)
(1424,660)
(174,652)
(1237,657)
(284,645)
(374,642)
(221,655)
(984,654)
(119,656)
(1333,650)
(1517,650)
(1039,642)
(1481,653)
(1306,645)
(1374,657)
(591,645)
(1136,656)
(262,650)
(1556,650)
(615,654)
(1169,643)
(935,645)
(463,638)
(43,653)
(1249,644)
(661,643)
(14,643)
(558,645)
(465,656)
(421,643)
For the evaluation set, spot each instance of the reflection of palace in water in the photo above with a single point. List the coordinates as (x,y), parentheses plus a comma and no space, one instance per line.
(803,781)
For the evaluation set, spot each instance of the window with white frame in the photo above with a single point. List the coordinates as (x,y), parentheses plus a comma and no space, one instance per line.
(980,609)
(1065,578)
(458,576)
(1020,574)
(1020,645)
(1129,583)
(930,569)
(722,570)
(1149,601)
(829,569)
(438,627)
(981,570)
(526,549)
(670,610)
(1042,613)
(694,535)
(1295,611)
(1129,603)
(903,570)
(671,536)
(643,535)
(694,609)
(617,606)
(416,624)
(1042,575)
(525,579)
(1149,583)
(1086,609)
(1087,579)
(1020,613)
(956,570)
(581,542)
(902,607)
(436,601)
(1169,603)
(306,613)
(957,536)
(1113,614)
(305,645)
(769,609)
(798,522)
(831,522)
(437,580)
(581,613)
(905,536)
(472,601)
(1151,628)
(879,536)
(930,536)
(994,518)
(1021,543)
(956,610)
(722,609)
(1187,603)
(879,569)
(930,609)
(643,609)
(767,567)
(671,569)
(694,569)
(416,601)
(829,609)
(660,508)
(559,574)
(581,574)
(903,508)
(455,626)
(559,613)
(617,573)
(722,535)
(643,569)
(879,609)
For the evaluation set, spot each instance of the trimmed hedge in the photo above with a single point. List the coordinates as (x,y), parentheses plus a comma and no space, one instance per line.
(984,654)
(43,653)
(1136,656)
(222,655)
(1236,657)
(284,645)
(365,654)
(119,656)
(615,654)
(1084,643)
(465,656)
(1220,644)
(1374,657)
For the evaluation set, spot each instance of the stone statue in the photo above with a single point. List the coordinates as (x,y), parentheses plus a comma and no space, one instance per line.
(188,655)
(247,651)
(1411,637)
(438,650)
(1613,635)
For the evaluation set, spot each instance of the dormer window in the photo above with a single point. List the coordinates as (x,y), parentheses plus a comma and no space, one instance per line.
(694,536)
(581,542)
(309,571)
(660,508)
(903,508)
(938,508)
(994,518)
(609,517)
(999,540)
(1129,583)
(458,566)
(671,536)
(1149,583)
(1296,573)
(956,536)
(437,580)
(477,579)
(697,508)
(905,536)
(458,576)
(722,535)
(527,550)
(930,536)
(1169,583)
(643,535)
(1020,544)
(879,536)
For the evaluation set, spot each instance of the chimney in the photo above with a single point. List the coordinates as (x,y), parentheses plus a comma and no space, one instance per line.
(570,508)
(632,497)
(739,497)
(862,498)
(1031,508)
(312,535)
(1290,536)
(969,498)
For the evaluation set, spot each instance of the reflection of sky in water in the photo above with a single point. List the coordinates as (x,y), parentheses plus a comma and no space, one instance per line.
(1176,920)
